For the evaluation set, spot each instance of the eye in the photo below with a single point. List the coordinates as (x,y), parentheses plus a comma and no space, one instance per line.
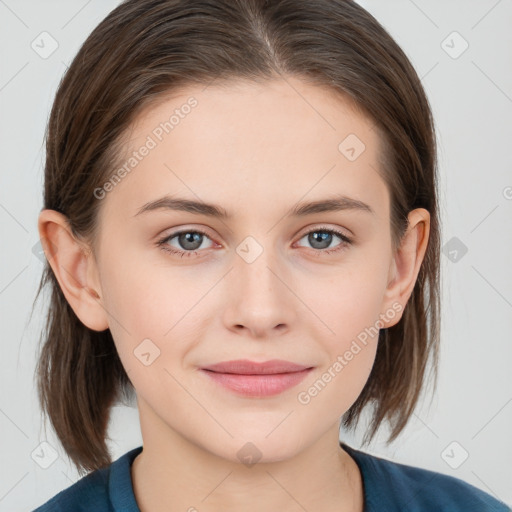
(189,240)
(321,239)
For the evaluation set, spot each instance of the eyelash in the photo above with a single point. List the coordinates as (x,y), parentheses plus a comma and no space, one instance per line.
(345,241)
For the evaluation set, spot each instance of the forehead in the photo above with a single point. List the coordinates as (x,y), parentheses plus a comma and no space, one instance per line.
(244,142)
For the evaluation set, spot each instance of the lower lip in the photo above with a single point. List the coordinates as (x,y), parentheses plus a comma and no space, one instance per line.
(258,385)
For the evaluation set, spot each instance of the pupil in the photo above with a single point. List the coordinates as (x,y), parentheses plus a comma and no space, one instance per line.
(323,239)
(188,238)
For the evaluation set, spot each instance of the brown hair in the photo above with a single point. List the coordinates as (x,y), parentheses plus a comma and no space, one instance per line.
(146,48)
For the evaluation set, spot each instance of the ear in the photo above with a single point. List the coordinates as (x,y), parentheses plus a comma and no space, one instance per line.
(74,267)
(406,265)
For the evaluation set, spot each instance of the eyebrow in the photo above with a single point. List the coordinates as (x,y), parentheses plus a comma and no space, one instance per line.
(333,204)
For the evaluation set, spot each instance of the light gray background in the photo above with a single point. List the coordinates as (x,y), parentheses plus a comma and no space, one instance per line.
(471,95)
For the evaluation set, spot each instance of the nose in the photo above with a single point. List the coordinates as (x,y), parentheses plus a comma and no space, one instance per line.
(261,300)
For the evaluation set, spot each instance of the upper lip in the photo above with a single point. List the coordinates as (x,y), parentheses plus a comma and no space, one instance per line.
(246,367)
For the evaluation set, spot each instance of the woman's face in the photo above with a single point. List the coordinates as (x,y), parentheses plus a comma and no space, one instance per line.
(267,281)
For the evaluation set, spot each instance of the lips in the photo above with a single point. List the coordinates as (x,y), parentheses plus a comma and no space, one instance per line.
(245,367)
(252,379)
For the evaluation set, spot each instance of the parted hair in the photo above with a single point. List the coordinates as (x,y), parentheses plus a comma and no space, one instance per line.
(136,56)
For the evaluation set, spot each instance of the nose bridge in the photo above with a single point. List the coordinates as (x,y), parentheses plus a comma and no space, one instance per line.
(256,266)
(259,298)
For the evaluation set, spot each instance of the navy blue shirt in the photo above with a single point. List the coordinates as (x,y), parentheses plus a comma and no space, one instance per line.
(388,487)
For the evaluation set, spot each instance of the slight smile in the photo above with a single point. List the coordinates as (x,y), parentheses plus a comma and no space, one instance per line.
(249,378)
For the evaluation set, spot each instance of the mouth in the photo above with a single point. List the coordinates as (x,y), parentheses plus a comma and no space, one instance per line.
(250,378)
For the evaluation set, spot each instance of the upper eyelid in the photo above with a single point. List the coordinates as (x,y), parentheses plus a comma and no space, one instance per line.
(324,227)
(319,227)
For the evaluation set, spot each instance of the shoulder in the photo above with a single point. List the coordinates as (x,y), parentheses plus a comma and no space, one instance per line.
(90,493)
(102,490)
(394,486)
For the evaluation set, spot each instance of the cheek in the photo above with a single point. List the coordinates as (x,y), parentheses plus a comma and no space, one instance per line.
(350,302)
(349,306)
(144,303)
(349,352)
(147,297)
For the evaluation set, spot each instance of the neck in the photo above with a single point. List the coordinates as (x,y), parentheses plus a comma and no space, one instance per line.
(172,473)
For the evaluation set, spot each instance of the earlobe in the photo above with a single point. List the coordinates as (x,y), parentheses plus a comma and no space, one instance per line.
(74,267)
(407,261)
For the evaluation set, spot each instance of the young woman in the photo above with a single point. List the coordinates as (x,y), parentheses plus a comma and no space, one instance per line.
(241,225)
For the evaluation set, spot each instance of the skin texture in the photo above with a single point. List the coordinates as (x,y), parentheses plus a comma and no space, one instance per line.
(255,150)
